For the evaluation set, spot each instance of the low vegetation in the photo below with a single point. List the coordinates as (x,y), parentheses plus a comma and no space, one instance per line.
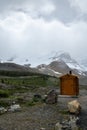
(4,93)
(28,81)
(13,86)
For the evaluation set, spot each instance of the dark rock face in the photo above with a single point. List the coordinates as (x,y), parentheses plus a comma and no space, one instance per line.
(51,97)
(59,66)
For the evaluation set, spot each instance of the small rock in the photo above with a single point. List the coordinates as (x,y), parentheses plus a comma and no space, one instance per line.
(15,107)
(42,129)
(58,126)
(2,110)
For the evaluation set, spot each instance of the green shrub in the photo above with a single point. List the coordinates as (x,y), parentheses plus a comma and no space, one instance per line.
(4,103)
(37,98)
(30,103)
(2,80)
(65,112)
(4,93)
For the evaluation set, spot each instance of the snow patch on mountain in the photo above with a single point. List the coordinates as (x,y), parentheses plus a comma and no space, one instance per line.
(75,66)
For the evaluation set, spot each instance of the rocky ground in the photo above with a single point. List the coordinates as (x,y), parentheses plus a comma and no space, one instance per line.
(42,115)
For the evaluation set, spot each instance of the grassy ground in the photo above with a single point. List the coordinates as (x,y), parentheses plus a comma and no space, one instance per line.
(30,81)
(21,89)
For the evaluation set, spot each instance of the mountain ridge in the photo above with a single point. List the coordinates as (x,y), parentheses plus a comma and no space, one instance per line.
(57,64)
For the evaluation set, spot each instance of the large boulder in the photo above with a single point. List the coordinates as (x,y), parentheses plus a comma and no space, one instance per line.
(51,97)
(74,107)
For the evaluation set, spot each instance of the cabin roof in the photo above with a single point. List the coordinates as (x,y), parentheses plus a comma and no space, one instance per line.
(68,76)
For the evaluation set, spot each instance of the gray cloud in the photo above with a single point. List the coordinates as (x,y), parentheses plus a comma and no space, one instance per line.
(47,9)
(64,11)
(31,29)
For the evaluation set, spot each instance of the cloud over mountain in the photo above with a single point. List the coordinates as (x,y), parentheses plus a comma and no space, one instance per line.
(31,29)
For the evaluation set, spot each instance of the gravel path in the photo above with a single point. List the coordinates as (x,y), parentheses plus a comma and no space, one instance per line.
(32,118)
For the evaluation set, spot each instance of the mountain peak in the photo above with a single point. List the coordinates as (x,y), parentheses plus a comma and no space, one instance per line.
(65,56)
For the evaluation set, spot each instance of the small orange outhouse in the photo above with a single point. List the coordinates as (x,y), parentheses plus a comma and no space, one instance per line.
(69,84)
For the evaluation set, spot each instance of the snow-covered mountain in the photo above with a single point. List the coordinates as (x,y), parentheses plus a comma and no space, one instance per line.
(65,57)
(62,63)
(54,63)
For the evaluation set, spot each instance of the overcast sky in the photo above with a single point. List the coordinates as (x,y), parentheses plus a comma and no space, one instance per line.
(33,28)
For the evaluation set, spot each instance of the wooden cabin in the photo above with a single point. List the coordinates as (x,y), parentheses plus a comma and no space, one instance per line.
(69,85)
